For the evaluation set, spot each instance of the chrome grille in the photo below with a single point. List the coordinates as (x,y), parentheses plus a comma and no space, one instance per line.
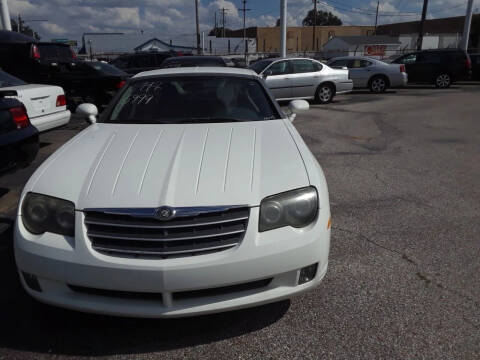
(193,231)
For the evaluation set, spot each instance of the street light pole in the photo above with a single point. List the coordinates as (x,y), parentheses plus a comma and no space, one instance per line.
(198,29)
(314,23)
(467,25)
(5,15)
(283,28)
(376,18)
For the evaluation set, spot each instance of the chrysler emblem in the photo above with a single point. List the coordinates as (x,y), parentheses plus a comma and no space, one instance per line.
(164,213)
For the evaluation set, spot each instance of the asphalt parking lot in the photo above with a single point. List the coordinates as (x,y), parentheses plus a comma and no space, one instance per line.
(403,170)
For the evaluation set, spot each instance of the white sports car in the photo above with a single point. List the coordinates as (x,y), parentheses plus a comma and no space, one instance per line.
(45,104)
(193,193)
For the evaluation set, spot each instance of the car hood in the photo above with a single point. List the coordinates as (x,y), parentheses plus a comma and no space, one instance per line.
(123,165)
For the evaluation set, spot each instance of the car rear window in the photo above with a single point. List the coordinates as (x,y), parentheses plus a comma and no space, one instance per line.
(259,66)
(7,80)
(49,51)
(105,68)
(193,99)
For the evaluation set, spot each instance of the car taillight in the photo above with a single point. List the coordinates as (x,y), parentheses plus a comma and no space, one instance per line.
(74,54)
(402,68)
(61,100)
(120,84)
(34,52)
(20,117)
(468,63)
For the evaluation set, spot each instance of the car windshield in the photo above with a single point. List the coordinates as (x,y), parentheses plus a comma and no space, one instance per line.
(7,80)
(259,66)
(193,99)
(105,68)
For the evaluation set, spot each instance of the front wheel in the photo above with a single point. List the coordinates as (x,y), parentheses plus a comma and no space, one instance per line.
(324,94)
(443,81)
(378,84)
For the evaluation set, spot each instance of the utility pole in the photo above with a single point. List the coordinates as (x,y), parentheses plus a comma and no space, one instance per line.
(244,10)
(223,21)
(467,25)
(215,24)
(19,23)
(422,25)
(199,52)
(283,28)
(314,23)
(376,18)
(5,15)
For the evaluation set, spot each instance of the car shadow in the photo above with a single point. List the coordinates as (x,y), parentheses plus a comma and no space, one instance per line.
(363,92)
(27,325)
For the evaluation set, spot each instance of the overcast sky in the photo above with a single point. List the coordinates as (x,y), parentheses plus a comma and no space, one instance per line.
(175,19)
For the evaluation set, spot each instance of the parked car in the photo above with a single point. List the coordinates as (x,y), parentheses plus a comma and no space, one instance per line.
(18,138)
(193,193)
(370,73)
(93,81)
(45,104)
(439,67)
(475,58)
(298,78)
(192,61)
(54,64)
(141,61)
(32,61)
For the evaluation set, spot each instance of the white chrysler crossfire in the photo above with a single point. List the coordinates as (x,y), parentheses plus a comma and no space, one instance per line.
(192,193)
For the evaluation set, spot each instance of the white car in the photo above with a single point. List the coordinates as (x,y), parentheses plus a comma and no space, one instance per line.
(370,73)
(45,104)
(193,193)
(302,78)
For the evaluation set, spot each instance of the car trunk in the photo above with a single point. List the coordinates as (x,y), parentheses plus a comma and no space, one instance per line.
(39,100)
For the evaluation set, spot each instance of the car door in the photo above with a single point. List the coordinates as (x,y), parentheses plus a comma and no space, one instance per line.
(360,71)
(411,66)
(304,78)
(278,79)
(428,65)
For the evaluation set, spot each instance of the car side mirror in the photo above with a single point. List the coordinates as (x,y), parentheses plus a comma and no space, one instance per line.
(297,106)
(89,111)
(267,73)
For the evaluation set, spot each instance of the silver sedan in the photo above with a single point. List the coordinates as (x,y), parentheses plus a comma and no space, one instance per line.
(302,78)
(370,73)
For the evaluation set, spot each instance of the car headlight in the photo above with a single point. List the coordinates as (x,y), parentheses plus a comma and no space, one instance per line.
(42,213)
(296,208)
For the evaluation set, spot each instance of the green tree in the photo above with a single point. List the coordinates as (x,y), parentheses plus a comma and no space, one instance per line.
(323,18)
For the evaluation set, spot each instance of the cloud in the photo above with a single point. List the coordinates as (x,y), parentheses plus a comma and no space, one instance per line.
(175,19)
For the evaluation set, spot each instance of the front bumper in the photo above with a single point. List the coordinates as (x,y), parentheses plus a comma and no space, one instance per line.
(50,121)
(344,86)
(60,263)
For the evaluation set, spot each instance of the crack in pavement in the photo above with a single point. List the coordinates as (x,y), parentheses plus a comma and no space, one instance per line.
(424,276)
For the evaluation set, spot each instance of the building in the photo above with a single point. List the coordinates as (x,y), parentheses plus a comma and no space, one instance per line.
(377,46)
(300,38)
(110,44)
(438,33)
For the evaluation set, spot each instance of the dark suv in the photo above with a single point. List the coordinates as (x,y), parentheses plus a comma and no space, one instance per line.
(142,61)
(440,67)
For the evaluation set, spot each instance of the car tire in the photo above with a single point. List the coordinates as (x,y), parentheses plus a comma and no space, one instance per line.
(324,94)
(378,84)
(443,81)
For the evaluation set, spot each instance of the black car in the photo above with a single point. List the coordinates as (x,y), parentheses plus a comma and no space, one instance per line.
(440,67)
(18,137)
(32,61)
(141,61)
(475,58)
(94,82)
(192,61)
